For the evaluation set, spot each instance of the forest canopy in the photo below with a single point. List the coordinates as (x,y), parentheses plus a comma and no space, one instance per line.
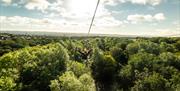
(44,63)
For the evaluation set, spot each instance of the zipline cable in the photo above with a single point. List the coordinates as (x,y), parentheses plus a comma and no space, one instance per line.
(93,17)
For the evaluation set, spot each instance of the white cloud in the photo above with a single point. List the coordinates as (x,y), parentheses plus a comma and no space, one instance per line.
(79,14)
(141,2)
(18,22)
(75,9)
(110,2)
(159,17)
(145,18)
(144,2)
(7,1)
(37,4)
(138,18)
(75,15)
(57,25)
(107,21)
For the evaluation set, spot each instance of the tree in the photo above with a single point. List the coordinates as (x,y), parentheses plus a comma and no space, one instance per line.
(119,55)
(175,80)
(154,82)
(32,65)
(69,82)
(46,63)
(88,82)
(7,84)
(169,59)
(77,68)
(132,48)
(164,47)
(142,60)
(126,77)
(143,46)
(104,69)
(177,45)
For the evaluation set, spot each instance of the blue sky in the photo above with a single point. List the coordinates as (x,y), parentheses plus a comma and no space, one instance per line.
(129,17)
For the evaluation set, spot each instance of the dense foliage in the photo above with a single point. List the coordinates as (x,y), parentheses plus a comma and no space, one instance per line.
(44,63)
